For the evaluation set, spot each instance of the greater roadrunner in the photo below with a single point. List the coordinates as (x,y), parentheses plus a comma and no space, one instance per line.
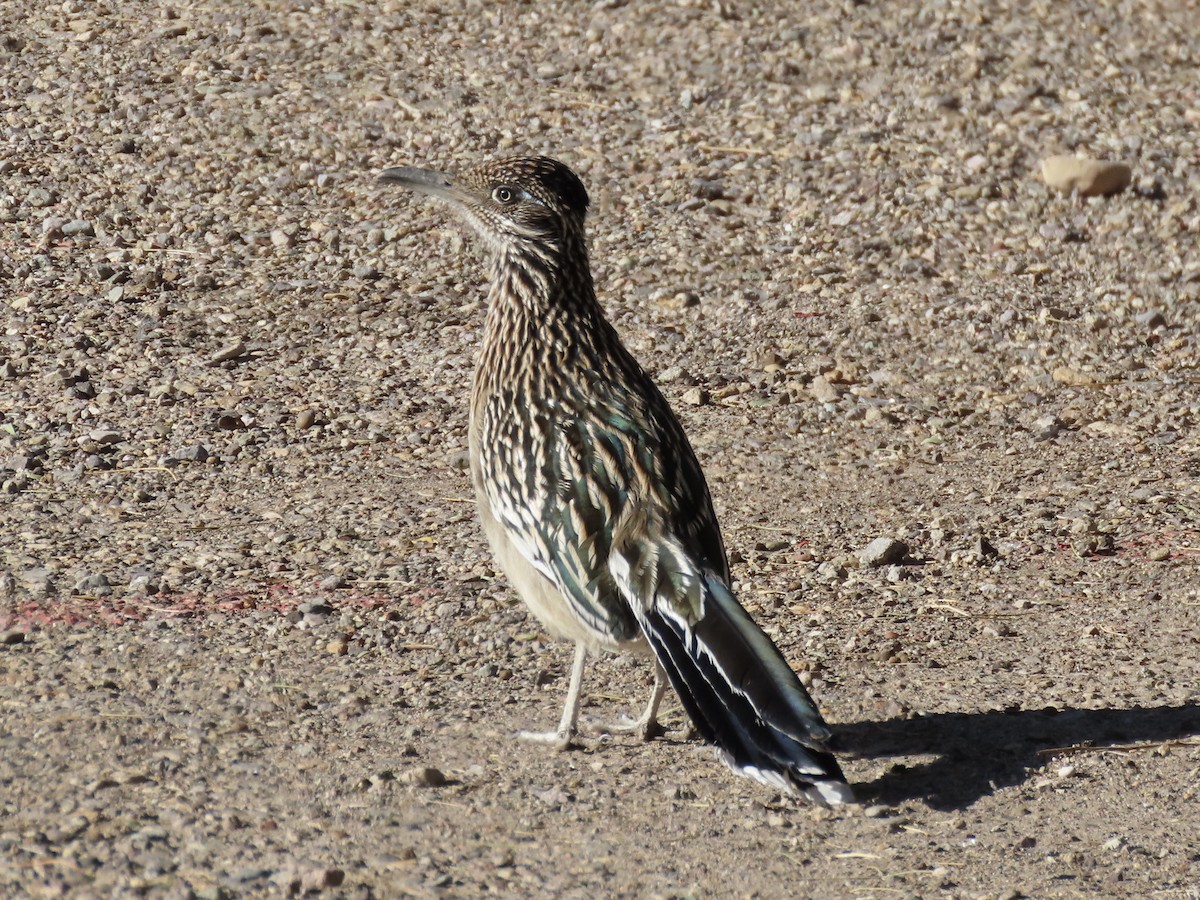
(591,496)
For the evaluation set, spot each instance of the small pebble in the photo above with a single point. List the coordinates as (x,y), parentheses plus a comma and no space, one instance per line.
(339,646)
(40,197)
(823,391)
(423,776)
(1047,428)
(95,585)
(320,878)
(234,350)
(144,583)
(983,548)
(194,453)
(1072,377)
(883,552)
(1085,177)
(1151,319)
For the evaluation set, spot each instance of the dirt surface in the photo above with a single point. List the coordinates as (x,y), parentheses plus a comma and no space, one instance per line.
(251,640)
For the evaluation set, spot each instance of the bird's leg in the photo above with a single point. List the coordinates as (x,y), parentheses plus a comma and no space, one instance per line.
(647,726)
(561,737)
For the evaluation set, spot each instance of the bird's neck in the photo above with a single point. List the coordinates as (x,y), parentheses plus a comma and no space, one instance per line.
(542,298)
(543,323)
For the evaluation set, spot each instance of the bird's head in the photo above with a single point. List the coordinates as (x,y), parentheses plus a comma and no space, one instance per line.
(521,204)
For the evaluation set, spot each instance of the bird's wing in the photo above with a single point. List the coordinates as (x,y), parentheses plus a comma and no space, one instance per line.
(585,466)
(536,483)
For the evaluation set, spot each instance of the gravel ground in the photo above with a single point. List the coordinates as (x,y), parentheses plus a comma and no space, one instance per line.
(251,639)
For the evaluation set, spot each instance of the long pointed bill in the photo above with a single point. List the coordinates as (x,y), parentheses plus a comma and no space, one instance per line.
(426,181)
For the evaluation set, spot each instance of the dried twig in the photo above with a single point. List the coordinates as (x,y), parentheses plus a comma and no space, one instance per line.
(1119,748)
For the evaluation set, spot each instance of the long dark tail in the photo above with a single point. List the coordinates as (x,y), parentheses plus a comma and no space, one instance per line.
(743,696)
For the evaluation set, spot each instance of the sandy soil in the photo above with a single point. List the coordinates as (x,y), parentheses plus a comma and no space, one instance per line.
(251,640)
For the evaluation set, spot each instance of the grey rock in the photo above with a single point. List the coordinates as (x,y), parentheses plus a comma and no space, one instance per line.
(1047,428)
(1151,319)
(40,197)
(831,571)
(93,584)
(883,552)
(14,485)
(144,581)
(195,453)
(315,609)
(38,580)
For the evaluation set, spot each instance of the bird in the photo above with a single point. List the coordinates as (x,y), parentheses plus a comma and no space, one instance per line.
(591,497)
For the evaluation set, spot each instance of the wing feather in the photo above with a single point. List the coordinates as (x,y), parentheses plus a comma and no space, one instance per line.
(562,489)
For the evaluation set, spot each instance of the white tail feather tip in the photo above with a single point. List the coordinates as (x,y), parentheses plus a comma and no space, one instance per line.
(825,792)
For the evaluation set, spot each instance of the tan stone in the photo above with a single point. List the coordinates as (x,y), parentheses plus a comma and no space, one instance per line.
(1073,377)
(1086,177)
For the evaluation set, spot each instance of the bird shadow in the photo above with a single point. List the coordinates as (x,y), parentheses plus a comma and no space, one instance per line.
(977,753)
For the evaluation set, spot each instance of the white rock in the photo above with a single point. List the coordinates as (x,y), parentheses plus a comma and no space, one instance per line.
(883,552)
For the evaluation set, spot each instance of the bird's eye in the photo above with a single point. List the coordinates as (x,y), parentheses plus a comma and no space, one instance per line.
(503,195)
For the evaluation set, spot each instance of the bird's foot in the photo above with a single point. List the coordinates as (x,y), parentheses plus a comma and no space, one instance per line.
(557,740)
(647,729)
